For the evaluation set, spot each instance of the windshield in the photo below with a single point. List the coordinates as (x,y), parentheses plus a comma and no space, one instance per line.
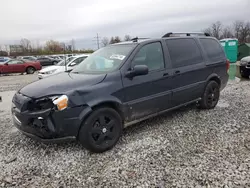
(104,60)
(62,63)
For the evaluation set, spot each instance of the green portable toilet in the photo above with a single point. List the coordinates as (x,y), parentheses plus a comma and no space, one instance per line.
(244,50)
(231,49)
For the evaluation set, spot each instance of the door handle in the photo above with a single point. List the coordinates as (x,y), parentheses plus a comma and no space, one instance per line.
(165,74)
(177,72)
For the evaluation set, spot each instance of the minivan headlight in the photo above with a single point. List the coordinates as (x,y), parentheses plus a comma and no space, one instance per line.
(59,102)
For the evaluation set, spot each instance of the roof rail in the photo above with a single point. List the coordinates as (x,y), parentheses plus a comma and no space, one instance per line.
(136,39)
(187,34)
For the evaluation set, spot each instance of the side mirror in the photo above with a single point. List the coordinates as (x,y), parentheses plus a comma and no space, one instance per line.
(137,71)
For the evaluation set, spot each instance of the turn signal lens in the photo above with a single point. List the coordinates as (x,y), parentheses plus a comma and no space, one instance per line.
(61,102)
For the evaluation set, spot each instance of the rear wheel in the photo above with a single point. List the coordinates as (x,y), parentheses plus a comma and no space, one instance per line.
(101,130)
(30,70)
(54,62)
(210,96)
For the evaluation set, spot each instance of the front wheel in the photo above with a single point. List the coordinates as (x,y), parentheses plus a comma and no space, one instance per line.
(210,96)
(101,130)
(30,70)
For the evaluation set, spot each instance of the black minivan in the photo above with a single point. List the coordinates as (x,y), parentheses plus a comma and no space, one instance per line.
(119,85)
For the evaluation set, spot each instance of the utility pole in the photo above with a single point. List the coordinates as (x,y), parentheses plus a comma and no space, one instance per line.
(97,38)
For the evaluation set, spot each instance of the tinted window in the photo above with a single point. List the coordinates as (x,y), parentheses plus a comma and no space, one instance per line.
(184,52)
(213,49)
(150,55)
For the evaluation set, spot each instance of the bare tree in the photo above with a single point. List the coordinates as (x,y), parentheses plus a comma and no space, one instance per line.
(242,31)
(26,45)
(127,38)
(112,40)
(105,41)
(117,39)
(208,30)
(227,32)
(53,46)
(216,29)
(237,27)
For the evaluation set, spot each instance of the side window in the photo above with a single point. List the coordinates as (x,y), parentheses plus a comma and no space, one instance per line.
(13,62)
(150,55)
(184,52)
(213,49)
(19,62)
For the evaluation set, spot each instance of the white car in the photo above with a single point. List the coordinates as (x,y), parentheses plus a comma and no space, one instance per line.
(71,62)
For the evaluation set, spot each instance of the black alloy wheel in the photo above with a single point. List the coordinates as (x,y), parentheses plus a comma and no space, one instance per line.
(30,70)
(210,96)
(101,130)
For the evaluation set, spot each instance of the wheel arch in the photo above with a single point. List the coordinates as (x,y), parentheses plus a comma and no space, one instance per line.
(214,77)
(110,102)
(30,66)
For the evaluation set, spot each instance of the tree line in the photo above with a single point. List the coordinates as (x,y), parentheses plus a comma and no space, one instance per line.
(106,41)
(238,29)
(26,47)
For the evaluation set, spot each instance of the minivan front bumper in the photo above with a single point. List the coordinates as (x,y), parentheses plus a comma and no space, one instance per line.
(46,125)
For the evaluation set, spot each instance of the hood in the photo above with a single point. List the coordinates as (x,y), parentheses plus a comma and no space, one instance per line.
(61,83)
(49,68)
(247,58)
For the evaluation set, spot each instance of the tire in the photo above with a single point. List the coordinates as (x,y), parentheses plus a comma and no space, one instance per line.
(210,96)
(30,70)
(244,75)
(54,62)
(101,130)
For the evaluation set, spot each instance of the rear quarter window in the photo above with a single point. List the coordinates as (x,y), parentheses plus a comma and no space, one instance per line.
(213,50)
(184,52)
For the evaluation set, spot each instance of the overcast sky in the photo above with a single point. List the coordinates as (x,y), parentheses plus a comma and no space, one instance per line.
(63,20)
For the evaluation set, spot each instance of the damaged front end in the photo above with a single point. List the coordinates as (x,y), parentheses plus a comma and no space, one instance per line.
(47,118)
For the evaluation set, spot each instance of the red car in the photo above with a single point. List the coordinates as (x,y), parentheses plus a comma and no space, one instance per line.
(19,66)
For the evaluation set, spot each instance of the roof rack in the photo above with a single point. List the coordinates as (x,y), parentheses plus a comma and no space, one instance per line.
(136,39)
(187,34)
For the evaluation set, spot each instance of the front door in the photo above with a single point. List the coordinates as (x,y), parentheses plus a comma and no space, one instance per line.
(18,66)
(151,93)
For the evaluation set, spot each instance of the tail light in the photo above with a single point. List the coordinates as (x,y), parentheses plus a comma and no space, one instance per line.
(228,64)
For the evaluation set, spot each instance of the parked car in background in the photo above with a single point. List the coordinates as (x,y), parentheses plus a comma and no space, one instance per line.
(119,85)
(245,67)
(56,57)
(19,66)
(45,61)
(62,66)
(4,59)
(31,58)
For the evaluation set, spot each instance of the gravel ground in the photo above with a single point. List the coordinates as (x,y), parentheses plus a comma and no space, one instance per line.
(184,148)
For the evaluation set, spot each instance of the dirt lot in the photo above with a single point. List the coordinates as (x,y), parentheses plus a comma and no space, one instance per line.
(185,148)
